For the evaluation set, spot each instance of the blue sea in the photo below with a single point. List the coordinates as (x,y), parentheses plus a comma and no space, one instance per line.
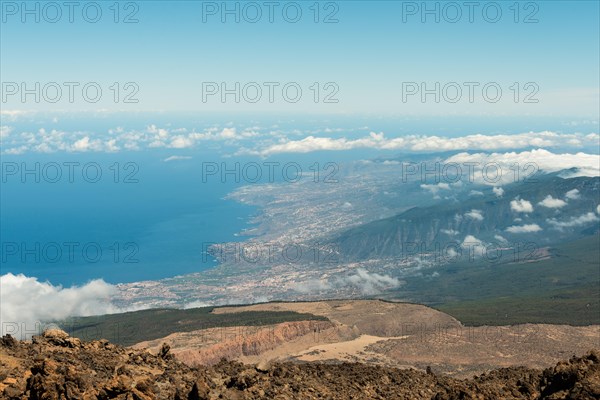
(150,224)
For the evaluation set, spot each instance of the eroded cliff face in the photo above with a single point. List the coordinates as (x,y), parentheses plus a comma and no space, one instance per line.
(56,366)
(209,346)
(255,344)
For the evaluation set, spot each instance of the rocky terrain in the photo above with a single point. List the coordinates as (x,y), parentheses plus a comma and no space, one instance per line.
(56,366)
(395,335)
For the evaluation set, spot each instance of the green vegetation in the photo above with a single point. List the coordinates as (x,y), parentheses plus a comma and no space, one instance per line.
(134,327)
(571,307)
(563,289)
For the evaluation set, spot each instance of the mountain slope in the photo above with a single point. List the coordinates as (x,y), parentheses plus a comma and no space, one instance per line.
(482,217)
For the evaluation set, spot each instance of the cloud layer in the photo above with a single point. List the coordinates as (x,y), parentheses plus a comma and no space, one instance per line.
(367,283)
(431,143)
(526,164)
(264,142)
(26,302)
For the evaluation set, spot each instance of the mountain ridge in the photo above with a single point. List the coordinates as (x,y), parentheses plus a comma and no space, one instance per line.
(482,218)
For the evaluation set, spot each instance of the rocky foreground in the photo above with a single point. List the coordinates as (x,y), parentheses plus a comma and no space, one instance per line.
(56,366)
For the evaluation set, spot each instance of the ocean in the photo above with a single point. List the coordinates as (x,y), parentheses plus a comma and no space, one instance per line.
(153,219)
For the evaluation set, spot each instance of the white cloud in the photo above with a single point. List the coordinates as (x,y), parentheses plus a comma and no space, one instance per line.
(522,206)
(428,143)
(471,240)
(574,221)
(573,194)
(371,283)
(228,133)
(111,146)
(313,286)
(366,282)
(82,144)
(528,228)
(312,143)
(159,132)
(26,301)
(87,144)
(527,163)
(435,188)
(16,150)
(475,246)
(115,139)
(450,232)
(551,202)
(181,142)
(276,142)
(475,214)
(498,191)
(5,131)
(598,209)
(475,193)
(176,158)
(500,238)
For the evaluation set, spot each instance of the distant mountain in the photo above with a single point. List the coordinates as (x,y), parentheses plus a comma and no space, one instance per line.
(546,211)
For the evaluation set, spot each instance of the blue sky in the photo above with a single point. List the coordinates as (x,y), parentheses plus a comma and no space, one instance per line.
(368,55)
